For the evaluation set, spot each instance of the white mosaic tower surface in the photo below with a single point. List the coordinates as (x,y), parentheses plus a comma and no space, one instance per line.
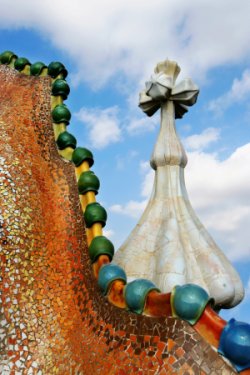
(169,245)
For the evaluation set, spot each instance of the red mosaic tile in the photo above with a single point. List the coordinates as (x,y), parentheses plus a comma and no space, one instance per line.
(52,309)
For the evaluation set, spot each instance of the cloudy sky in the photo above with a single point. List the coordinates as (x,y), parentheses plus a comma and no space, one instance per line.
(110,48)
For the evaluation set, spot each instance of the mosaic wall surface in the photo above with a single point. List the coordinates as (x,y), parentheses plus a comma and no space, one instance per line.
(54,319)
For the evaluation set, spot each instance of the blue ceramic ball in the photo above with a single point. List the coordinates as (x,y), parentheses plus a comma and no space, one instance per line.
(109,273)
(235,344)
(136,293)
(188,302)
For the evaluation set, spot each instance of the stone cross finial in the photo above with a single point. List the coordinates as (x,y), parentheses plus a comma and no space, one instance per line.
(169,245)
(162,87)
(168,67)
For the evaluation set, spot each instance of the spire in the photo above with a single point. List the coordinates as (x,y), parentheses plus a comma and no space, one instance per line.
(169,245)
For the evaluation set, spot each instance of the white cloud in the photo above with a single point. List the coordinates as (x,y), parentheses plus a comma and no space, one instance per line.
(109,233)
(219,191)
(132,208)
(142,125)
(238,92)
(223,183)
(203,140)
(111,37)
(147,183)
(103,125)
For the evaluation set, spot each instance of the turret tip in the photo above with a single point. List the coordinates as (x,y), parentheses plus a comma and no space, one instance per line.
(168,67)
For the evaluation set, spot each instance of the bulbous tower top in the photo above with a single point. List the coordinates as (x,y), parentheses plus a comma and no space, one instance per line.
(169,245)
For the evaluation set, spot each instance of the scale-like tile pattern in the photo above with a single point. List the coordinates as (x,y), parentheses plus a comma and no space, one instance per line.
(54,319)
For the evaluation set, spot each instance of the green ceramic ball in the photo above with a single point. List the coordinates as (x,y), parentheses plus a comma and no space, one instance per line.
(36,68)
(61,114)
(82,154)
(5,57)
(20,63)
(55,68)
(101,245)
(88,181)
(66,139)
(60,87)
(95,213)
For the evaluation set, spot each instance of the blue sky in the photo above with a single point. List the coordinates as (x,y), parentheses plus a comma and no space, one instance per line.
(110,49)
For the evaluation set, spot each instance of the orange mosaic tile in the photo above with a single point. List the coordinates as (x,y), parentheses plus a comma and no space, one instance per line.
(210,326)
(54,319)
